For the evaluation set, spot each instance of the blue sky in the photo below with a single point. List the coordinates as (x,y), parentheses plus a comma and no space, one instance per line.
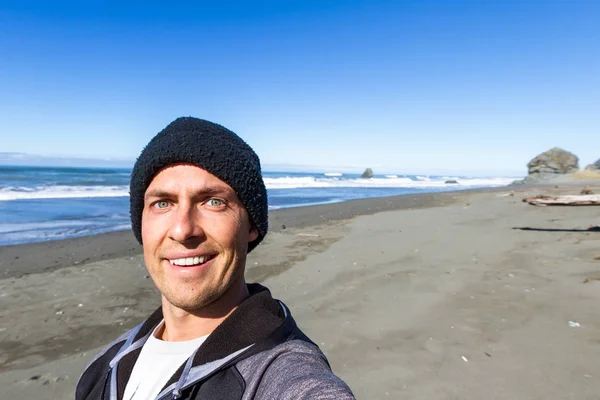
(400,86)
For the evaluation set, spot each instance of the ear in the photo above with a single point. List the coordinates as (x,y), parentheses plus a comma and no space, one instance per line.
(253,233)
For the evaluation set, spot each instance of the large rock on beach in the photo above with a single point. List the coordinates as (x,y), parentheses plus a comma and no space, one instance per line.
(594,167)
(367,174)
(554,161)
(550,165)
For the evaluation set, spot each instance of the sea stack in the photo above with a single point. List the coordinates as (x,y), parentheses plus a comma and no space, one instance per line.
(367,174)
(594,167)
(551,164)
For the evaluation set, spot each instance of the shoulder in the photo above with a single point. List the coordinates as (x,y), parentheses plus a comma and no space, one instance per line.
(292,370)
(92,376)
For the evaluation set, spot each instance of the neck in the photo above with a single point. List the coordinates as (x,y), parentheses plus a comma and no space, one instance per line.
(181,325)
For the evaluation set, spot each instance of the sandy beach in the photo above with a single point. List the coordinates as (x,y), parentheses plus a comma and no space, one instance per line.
(458,295)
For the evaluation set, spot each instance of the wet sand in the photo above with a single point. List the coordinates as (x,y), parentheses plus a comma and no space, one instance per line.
(441,296)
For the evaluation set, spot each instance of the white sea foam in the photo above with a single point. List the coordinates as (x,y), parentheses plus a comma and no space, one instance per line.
(332,174)
(390,181)
(310,182)
(62,192)
(52,230)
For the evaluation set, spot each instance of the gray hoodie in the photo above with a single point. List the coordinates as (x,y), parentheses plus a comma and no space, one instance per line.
(258,352)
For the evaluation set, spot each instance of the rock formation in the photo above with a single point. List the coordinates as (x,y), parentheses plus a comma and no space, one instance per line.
(367,174)
(551,164)
(594,167)
(554,161)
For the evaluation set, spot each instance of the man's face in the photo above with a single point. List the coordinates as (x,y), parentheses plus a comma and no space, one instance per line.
(195,233)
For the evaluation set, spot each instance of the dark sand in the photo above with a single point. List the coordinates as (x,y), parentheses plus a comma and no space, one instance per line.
(19,260)
(433,296)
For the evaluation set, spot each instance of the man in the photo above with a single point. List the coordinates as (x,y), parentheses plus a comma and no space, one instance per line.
(198,205)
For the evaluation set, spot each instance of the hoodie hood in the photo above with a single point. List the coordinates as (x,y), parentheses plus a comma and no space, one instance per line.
(259,322)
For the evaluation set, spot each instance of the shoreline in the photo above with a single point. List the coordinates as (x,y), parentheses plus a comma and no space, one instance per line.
(397,292)
(30,258)
(23,259)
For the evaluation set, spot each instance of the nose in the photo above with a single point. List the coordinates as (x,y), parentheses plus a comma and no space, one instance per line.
(185,224)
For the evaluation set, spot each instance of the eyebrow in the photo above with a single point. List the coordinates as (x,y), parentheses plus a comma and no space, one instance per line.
(211,191)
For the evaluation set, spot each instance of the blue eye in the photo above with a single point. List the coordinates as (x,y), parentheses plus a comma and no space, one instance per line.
(162,204)
(215,202)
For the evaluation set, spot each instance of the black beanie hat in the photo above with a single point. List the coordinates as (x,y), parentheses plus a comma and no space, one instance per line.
(211,147)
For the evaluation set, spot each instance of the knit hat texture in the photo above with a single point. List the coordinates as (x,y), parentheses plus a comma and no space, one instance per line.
(211,147)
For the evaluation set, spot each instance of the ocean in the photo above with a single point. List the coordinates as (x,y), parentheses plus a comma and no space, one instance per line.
(51,203)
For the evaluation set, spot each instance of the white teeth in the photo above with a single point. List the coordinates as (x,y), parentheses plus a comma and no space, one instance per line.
(189,261)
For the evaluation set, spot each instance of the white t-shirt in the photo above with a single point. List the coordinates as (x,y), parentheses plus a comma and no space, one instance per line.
(157,362)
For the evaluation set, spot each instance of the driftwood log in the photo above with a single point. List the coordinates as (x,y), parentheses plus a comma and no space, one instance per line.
(568,200)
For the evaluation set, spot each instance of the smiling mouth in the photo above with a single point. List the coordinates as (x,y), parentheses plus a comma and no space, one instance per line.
(191,261)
